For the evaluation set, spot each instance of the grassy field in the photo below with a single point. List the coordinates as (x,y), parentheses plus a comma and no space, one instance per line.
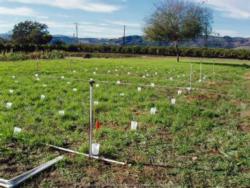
(203,140)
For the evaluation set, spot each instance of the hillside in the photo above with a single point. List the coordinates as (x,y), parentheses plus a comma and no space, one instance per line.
(213,41)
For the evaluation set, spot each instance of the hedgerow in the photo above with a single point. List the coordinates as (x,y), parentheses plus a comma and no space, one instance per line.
(140,50)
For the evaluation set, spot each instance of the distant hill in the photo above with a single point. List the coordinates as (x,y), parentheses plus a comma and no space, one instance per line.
(213,41)
(5,36)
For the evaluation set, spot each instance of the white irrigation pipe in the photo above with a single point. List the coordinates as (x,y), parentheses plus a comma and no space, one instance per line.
(87,155)
(14,182)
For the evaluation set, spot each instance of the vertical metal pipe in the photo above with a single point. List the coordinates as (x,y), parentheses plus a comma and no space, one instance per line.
(191,73)
(91,116)
(213,73)
(200,72)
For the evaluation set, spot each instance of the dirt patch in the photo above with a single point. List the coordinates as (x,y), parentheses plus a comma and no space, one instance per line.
(200,97)
(17,159)
(247,76)
(244,127)
(245,114)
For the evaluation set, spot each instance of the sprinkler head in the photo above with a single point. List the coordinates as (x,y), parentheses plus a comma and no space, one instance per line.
(91,82)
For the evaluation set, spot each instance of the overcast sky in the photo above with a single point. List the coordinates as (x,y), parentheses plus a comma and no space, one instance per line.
(105,18)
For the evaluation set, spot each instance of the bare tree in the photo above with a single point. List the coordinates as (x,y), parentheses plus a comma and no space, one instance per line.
(176,20)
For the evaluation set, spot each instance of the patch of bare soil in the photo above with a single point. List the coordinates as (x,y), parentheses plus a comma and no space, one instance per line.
(247,76)
(200,97)
(245,114)
(244,127)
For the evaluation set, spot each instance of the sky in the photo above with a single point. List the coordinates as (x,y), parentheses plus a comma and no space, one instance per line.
(105,18)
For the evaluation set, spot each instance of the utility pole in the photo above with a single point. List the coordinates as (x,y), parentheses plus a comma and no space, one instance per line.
(76,34)
(124,35)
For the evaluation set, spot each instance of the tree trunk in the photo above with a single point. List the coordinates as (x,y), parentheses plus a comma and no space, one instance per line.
(177,51)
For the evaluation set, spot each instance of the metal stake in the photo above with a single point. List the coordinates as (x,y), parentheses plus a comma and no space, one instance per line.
(91,116)
(200,72)
(191,73)
(213,73)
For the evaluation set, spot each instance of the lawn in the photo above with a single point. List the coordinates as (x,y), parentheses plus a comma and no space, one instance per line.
(203,140)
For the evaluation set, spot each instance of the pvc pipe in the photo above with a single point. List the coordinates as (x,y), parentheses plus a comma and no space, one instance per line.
(86,155)
(14,182)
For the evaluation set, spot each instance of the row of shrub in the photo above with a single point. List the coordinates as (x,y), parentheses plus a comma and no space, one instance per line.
(141,50)
(31,55)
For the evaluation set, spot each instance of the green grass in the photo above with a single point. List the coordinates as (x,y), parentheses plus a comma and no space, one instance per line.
(203,139)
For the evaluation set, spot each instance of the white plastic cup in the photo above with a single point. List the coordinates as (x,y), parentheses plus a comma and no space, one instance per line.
(17,130)
(61,112)
(8,105)
(173,101)
(95,149)
(134,125)
(43,97)
(179,92)
(153,110)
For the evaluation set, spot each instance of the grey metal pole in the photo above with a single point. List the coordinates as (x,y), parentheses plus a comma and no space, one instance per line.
(91,116)
(213,73)
(200,72)
(191,73)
